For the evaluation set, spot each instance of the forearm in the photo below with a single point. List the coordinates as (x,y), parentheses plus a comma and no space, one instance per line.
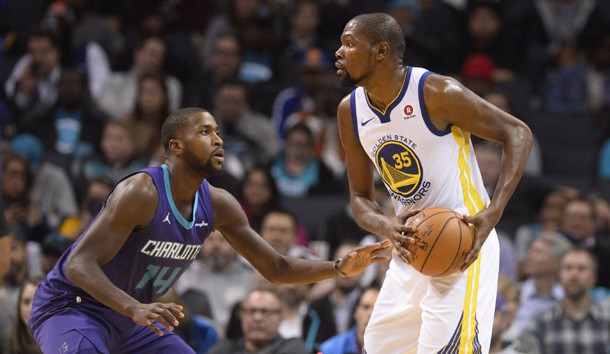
(369,215)
(514,158)
(292,270)
(89,276)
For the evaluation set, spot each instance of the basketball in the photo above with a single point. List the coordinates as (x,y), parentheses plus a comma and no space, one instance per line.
(442,241)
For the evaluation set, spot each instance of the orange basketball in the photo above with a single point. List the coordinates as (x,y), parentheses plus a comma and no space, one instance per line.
(442,241)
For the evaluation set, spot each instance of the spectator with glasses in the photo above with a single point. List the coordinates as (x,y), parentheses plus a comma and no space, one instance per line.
(260,314)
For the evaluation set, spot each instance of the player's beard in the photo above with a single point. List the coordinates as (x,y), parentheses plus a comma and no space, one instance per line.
(205,168)
(347,81)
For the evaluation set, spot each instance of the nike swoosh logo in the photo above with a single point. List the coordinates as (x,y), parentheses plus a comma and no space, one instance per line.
(363,123)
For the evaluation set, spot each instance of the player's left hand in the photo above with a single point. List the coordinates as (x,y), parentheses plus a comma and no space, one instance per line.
(482,224)
(360,258)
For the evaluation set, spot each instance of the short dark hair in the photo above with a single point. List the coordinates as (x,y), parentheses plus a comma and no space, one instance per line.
(379,27)
(283,211)
(175,122)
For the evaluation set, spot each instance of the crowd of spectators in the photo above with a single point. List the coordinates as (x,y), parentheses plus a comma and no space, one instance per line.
(88,83)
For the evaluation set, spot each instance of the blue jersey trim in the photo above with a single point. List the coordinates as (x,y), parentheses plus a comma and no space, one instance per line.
(384,116)
(168,192)
(352,105)
(424,110)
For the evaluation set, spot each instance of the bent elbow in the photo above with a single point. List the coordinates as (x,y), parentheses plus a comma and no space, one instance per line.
(274,277)
(73,270)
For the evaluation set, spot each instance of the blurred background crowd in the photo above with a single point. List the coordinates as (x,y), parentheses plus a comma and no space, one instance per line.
(88,83)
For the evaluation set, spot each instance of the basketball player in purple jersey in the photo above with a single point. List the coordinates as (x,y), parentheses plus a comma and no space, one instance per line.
(100,297)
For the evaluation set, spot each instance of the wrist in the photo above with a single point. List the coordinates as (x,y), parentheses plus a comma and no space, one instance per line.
(337,269)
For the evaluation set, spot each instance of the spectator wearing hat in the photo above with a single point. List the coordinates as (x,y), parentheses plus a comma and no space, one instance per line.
(485,34)
(51,191)
(477,74)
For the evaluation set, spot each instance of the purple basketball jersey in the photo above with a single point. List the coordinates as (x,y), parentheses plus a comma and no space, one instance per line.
(149,262)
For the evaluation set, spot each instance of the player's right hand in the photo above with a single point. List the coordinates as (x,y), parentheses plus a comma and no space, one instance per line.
(165,314)
(401,234)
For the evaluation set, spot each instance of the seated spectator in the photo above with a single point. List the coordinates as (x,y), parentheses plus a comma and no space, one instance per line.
(549,219)
(280,228)
(300,36)
(35,77)
(351,342)
(477,74)
(117,159)
(300,99)
(18,272)
(94,198)
(246,134)
(22,214)
(223,65)
(300,320)
(297,171)
(258,195)
(580,226)
(71,127)
(583,86)
(486,35)
(151,107)
(578,323)
(117,97)
(21,340)
(343,297)
(220,275)
(261,315)
(51,188)
(88,39)
(541,290)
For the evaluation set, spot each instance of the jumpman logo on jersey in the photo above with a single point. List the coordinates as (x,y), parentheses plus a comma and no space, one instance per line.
(167,219)
(201,224)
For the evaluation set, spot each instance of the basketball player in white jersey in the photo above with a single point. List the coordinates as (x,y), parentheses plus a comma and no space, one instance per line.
(414,126)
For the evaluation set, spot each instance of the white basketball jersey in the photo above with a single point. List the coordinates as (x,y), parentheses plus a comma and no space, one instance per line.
(420,165)
(423,167)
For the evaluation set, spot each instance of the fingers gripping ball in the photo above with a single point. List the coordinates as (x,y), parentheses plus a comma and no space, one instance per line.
(442,241)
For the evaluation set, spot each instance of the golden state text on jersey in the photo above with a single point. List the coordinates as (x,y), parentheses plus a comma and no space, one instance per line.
(400,168)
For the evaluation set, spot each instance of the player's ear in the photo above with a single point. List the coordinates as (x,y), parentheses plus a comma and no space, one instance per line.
(383,49)
(175,147)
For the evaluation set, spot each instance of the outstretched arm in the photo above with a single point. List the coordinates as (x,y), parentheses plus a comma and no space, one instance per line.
(450,103)
(132,204)
(232,222)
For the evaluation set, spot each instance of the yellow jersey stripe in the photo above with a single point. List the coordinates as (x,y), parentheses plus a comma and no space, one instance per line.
(473,203)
